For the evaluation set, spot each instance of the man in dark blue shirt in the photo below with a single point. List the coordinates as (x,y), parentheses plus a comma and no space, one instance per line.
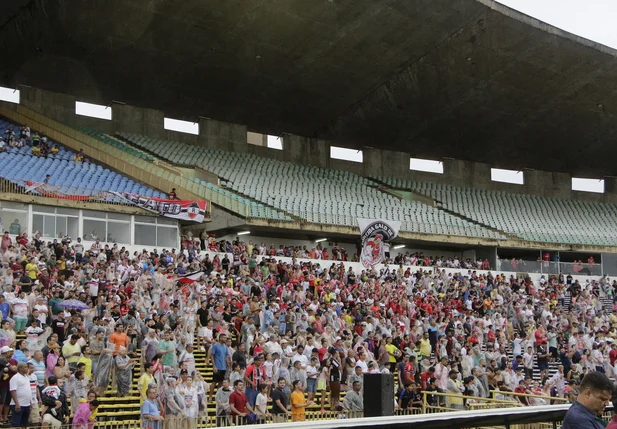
(595,393)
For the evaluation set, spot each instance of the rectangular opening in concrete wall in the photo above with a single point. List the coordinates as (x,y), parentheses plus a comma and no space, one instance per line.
(93,110)
(9,94)
(588,185)
(345,154)
(181,126)
(257,139)
(275,142)
(426,165)
(266,140)
(507,176)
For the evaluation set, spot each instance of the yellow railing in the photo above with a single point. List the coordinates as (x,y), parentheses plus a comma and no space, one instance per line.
(514,395)
(435,402)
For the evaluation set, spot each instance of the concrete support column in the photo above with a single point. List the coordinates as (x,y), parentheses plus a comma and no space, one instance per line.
(222,135)
(393,164)
(466,173)
(137,120)
(295,148)
(610,189)
(305,150)
(60,107)
(547,184)
(319,153)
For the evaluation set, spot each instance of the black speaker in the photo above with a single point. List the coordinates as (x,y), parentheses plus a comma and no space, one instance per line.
(378,395)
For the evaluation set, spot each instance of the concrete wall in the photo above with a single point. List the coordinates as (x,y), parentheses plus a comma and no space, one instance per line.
(304,150)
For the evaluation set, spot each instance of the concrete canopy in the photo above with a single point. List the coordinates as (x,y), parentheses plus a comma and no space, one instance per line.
(467,79)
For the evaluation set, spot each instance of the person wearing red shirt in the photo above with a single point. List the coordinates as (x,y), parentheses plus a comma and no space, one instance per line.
(426,376)
(490,336)
(410,370)
(6,242)
(358,328)
(540,335)
(253,377)
(323,350)
(522,388)
(324,254)
(238,403)
(612,355)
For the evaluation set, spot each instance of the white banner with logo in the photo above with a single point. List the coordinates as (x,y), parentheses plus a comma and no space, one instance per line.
(374,233)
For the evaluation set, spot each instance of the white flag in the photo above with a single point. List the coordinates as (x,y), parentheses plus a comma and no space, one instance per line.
(374,233)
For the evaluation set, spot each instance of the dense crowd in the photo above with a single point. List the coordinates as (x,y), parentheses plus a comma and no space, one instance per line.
(336,253)
(280,336)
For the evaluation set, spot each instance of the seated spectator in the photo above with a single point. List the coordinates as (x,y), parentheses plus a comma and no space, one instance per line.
(353,399)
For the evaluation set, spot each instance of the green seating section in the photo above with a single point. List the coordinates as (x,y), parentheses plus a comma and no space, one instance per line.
(318,195)
(529,217)
(115,143)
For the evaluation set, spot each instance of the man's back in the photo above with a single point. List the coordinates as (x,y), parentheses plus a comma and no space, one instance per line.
(580,417)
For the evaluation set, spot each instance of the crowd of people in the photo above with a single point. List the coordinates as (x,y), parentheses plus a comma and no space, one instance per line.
(280,336)
(40,145)
(209,243)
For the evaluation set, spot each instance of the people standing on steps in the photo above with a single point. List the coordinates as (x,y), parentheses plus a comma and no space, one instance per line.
(329,317)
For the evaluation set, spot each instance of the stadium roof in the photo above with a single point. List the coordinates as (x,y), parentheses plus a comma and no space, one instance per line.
(467,79)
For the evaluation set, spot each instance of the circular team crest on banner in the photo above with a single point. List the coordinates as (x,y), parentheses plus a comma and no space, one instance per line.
(373,238)
(193,210)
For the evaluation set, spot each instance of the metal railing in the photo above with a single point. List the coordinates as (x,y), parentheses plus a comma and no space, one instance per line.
(77,195)
(125,163)
(437,402)
(212,419)
(580,269)
(549,267)
(527,397)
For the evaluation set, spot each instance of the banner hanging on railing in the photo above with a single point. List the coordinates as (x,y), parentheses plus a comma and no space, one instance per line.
(374,234)
(193,210)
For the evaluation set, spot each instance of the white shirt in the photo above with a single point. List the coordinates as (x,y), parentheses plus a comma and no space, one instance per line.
(302,358)
(21,385)
(261,404)
(362,365)
(94,287)
(43,310)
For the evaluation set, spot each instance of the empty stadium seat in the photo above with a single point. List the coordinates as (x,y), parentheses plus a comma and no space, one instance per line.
(326,196)
(529,217)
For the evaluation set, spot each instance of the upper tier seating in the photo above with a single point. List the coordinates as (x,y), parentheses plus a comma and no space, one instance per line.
(529,217)
(315,194)
(114,142)
(68,176)
(255,209)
